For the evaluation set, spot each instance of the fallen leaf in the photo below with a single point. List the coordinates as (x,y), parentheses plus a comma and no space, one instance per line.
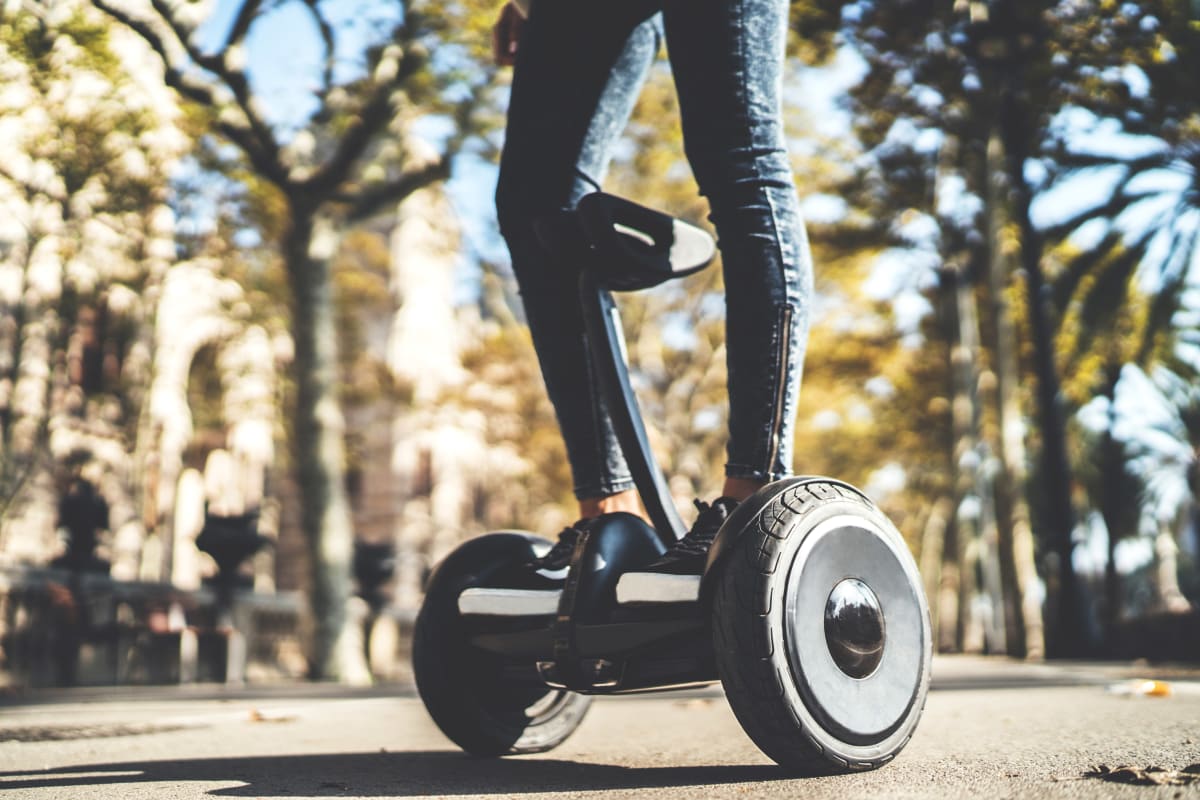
(1148,776)
(270,716)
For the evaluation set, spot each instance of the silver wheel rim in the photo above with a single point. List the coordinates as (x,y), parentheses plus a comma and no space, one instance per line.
(840,555)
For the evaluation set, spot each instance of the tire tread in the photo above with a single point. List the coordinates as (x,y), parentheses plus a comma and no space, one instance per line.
(746,652)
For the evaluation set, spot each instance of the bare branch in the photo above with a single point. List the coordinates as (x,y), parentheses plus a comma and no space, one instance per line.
(1075,160)
(255,138)
(182,35)
(1117,203)
(376,199)
(374,116)
(327,40)
(372,119)
(241,24)
(1169,297)
(235,79)
(174,75)
(372,200)
(1064,287)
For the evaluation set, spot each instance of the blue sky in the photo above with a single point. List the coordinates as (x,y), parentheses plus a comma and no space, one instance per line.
(284,50)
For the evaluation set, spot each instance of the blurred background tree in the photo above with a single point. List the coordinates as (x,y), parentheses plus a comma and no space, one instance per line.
(85,242)
(356,155)
(969,103)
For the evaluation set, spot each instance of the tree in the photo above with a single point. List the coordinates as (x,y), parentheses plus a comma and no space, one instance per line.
(85,239)
(356,156)
(929,124)
(1015,87)
(994,81)
(1130,129)
(1160,430)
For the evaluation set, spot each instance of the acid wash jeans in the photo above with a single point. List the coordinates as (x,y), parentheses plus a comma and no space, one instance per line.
(580,65)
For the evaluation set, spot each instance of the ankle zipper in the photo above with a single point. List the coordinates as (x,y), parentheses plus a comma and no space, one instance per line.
(785,342)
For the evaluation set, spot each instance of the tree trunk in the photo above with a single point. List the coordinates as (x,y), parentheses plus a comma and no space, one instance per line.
(971,521)
(1169,597)
(1068,634)
(949,595)
(943,538)
(1023,611)
(933,548)
(1112,501)
(319,448)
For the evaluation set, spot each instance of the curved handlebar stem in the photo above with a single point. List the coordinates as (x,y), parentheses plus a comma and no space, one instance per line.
(607,344)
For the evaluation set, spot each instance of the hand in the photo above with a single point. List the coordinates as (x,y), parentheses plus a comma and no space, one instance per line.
(506,34)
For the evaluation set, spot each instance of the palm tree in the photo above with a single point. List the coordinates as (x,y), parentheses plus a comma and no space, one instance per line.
(1160,430)
(1146,226)
(1121,294)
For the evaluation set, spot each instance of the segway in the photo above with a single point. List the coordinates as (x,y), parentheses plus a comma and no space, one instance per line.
(810,610)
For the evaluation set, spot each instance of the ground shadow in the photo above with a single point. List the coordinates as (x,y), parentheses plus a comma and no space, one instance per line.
(406,774)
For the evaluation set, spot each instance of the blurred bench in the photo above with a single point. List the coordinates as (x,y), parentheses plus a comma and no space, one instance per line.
(59,628)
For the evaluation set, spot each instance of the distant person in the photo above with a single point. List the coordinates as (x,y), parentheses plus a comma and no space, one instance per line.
(83,512)
(579,67)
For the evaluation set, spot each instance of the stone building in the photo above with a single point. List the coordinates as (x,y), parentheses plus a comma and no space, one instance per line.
(431,464)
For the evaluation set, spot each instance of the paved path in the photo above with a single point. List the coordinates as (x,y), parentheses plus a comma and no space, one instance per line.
(990,730)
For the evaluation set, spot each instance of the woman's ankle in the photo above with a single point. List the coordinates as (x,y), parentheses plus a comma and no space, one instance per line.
(741,488)
(626,501)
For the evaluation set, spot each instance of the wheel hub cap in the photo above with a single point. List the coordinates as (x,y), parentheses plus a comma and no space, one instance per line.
(854,628)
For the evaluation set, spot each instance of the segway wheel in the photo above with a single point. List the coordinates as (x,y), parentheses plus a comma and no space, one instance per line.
(465,689)
(821,630)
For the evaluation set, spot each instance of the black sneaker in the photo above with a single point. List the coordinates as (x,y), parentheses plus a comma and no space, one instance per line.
(675,576)
(529,589)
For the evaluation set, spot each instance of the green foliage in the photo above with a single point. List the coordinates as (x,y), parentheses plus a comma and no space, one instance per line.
(814,26)
(82,184)
(506,387)
(1099,38)
(361,297)
(85,149)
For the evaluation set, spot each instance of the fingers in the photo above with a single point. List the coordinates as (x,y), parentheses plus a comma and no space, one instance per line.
(506,35)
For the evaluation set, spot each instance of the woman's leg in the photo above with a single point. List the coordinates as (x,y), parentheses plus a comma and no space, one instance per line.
(579,68)
(727,58)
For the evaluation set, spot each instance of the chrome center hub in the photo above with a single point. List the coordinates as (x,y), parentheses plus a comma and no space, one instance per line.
(854,630)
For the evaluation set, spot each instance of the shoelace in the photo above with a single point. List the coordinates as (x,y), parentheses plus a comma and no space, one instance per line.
(560,554)
(697,542)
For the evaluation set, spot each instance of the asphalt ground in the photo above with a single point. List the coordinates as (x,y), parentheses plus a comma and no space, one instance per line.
(991,728)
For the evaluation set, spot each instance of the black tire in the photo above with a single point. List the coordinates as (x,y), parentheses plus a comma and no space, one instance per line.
(463,687)
(762,668)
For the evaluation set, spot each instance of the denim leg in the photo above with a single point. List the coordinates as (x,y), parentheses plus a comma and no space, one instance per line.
(727,59)
(580,67)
